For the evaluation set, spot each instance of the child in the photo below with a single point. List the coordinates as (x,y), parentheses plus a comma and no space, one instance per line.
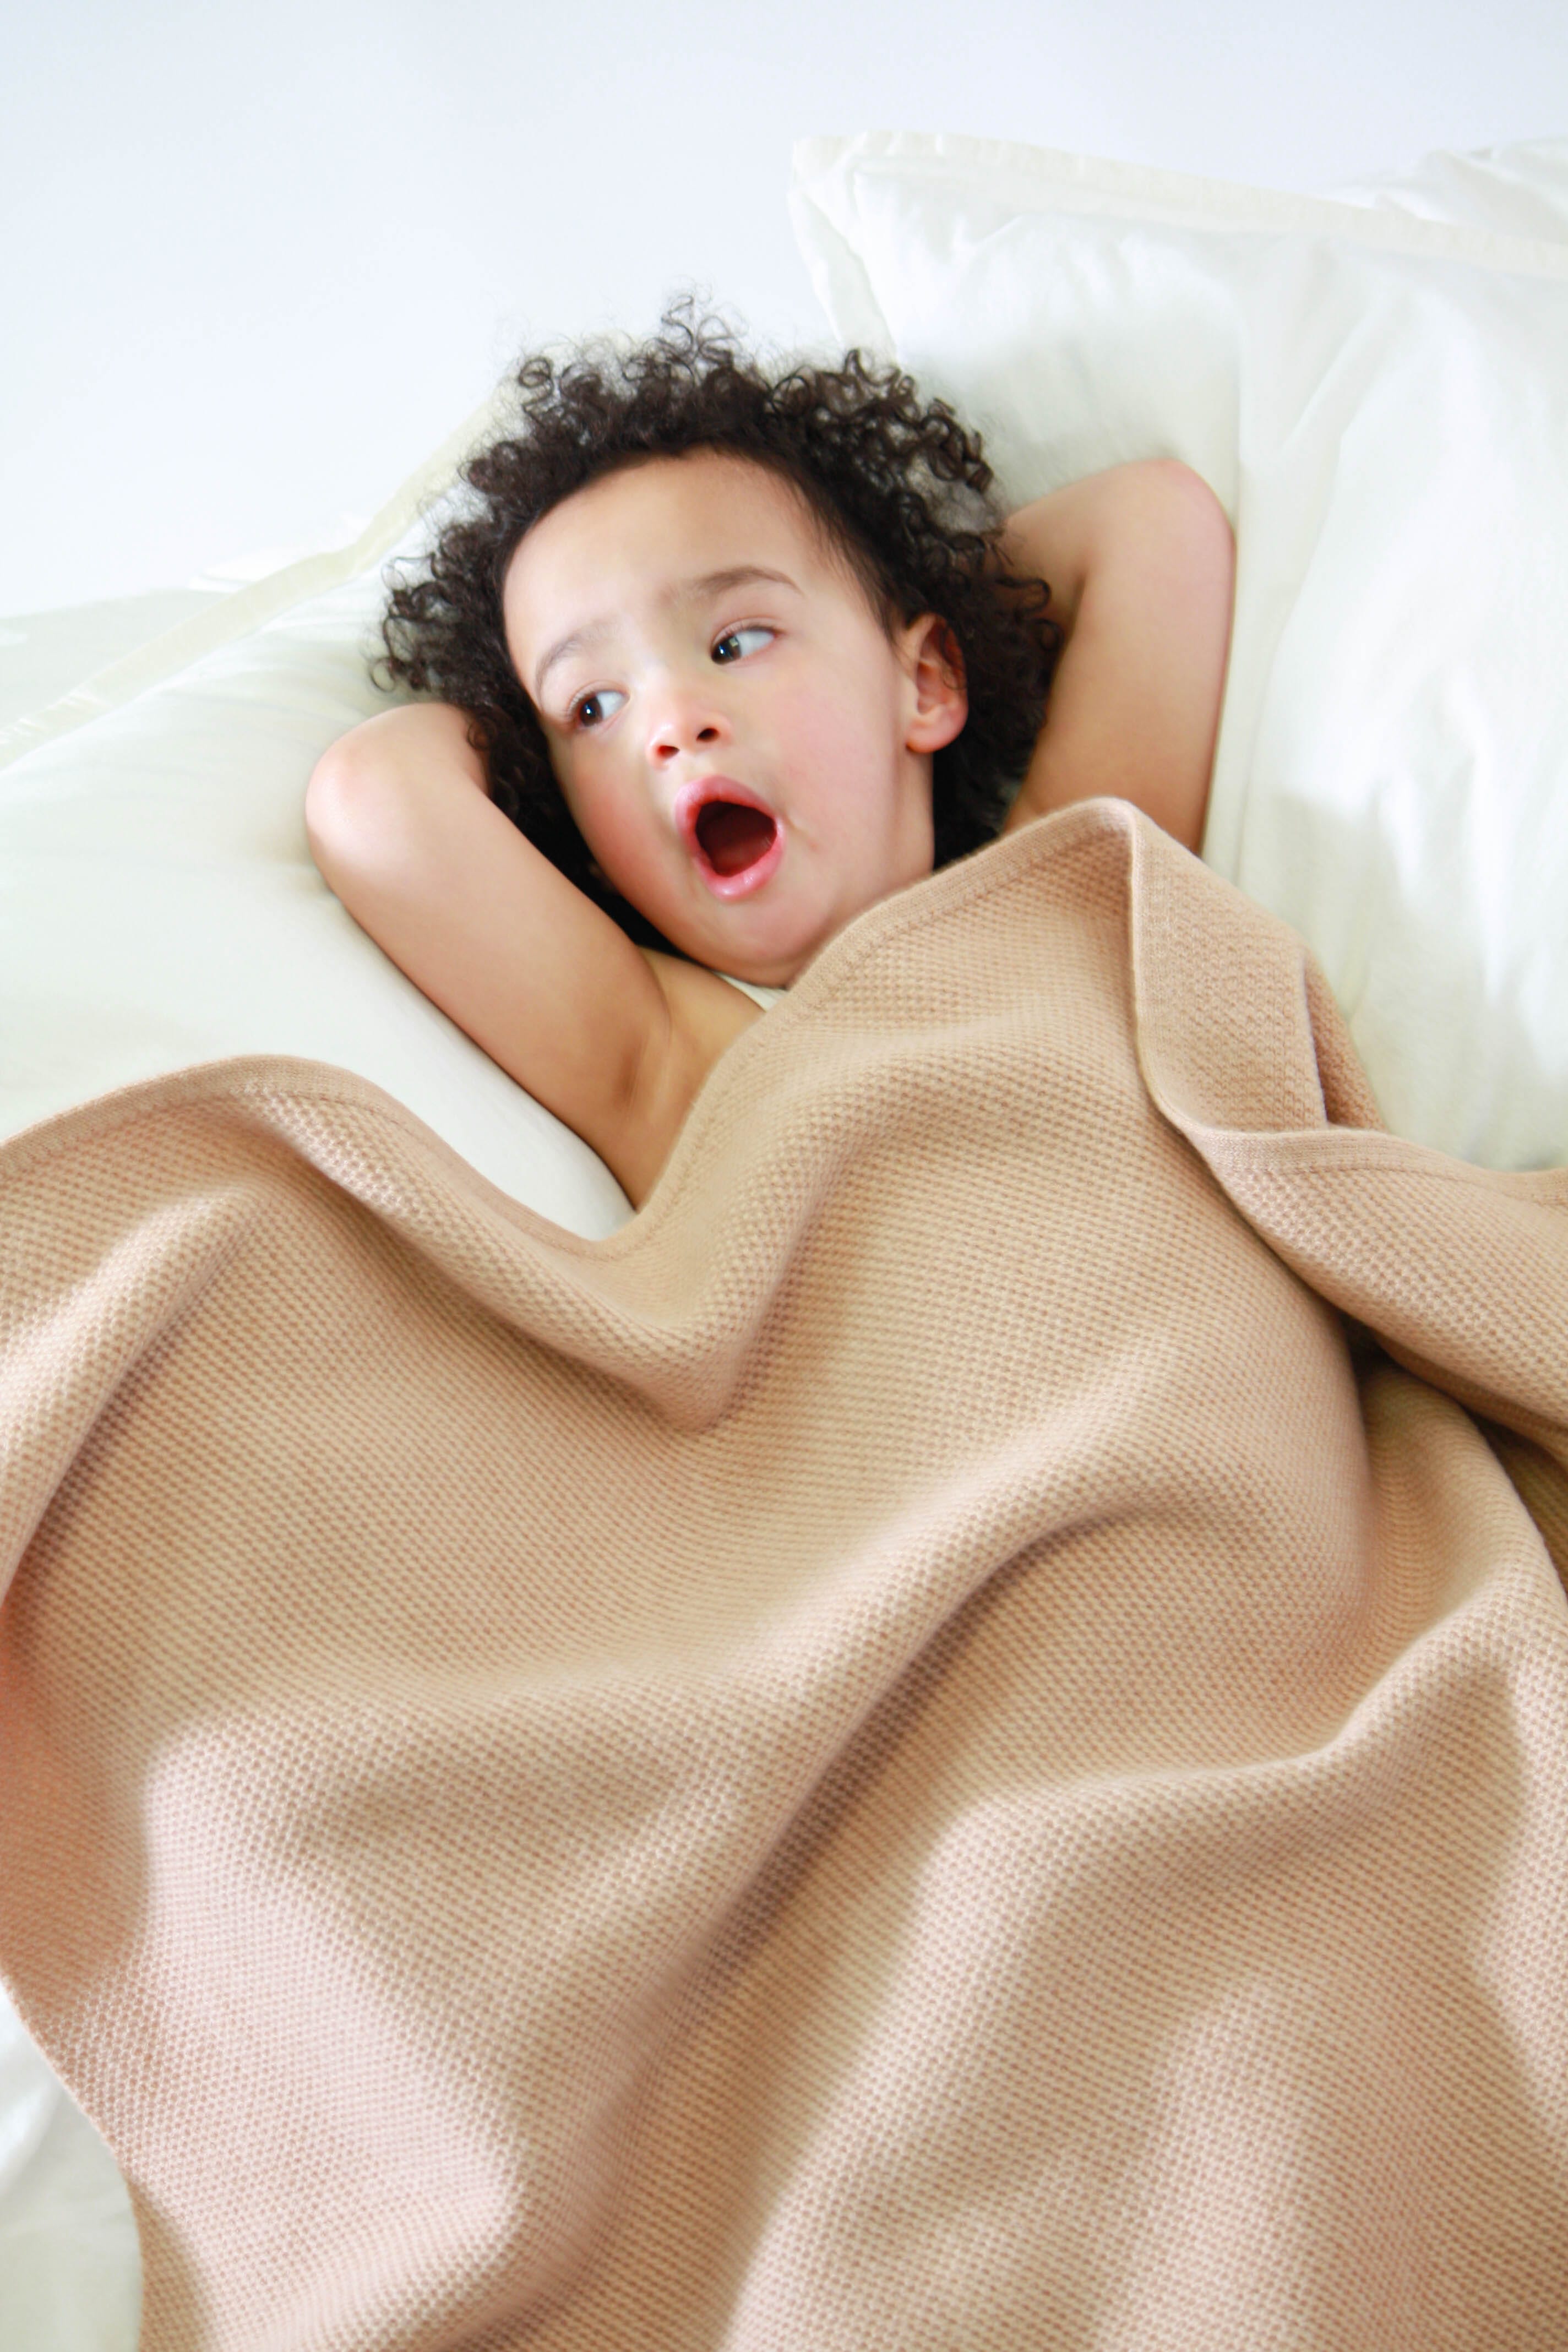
(724,659)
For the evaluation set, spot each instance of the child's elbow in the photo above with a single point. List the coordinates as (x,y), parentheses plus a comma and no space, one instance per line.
(1195,508)
(338,805)
(1191,543)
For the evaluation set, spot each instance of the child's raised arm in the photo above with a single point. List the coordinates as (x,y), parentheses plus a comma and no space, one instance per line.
(403,831)
(1141,566)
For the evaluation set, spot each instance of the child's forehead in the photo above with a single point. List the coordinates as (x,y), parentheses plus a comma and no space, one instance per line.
(659,512)
(644,532)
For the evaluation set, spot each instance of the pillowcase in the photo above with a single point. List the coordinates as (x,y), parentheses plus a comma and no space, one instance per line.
(1377,399)
(159,904)
(1518,190)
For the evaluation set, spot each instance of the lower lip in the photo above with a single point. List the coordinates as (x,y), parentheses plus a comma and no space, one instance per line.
(751,878)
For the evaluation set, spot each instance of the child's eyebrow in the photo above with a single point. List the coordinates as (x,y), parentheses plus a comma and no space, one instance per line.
(684,591)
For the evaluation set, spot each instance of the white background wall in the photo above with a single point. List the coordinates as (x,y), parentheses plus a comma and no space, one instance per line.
(257,260)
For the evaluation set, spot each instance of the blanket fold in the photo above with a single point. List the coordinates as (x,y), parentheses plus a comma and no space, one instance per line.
(956,1737)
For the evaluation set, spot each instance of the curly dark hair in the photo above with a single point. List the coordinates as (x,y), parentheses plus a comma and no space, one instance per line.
(898,484)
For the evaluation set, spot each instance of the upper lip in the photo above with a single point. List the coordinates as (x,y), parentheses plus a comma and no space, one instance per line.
(693,798)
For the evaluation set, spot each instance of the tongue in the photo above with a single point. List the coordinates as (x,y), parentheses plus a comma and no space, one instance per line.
(732,837)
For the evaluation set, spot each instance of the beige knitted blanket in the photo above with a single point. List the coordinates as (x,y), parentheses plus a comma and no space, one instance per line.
(954,1741)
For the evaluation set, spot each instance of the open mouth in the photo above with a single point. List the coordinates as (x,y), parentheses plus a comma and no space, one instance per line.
(732,837)
(736,841)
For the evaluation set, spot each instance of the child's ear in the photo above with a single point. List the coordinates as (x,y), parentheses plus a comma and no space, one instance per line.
(938,697)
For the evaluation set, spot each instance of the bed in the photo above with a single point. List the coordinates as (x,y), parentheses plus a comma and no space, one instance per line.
(1373,385)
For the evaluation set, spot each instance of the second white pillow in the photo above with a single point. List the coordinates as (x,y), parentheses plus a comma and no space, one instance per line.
(1377,399)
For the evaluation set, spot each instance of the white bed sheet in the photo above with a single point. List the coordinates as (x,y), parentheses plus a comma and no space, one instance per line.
(71,2269)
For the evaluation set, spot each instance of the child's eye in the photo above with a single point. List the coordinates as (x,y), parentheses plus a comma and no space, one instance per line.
(592,709)
(736,642)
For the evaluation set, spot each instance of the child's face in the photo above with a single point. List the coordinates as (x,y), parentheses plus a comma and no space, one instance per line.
(688,638)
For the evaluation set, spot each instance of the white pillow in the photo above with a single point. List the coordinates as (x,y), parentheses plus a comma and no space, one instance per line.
(1515,191)
(159,905)
(1379,400)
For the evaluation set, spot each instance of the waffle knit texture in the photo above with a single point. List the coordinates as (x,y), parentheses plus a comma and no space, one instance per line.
(955,1741)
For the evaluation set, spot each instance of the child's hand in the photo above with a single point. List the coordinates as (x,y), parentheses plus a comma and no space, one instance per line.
(1141,563)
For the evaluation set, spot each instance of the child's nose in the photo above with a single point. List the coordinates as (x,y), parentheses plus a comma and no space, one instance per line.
(682,724)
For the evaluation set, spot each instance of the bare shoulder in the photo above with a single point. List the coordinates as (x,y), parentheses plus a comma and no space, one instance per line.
(712,1008)
(704,1015)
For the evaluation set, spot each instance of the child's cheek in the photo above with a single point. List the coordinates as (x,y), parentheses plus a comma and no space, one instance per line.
(822,720)
(607,822)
